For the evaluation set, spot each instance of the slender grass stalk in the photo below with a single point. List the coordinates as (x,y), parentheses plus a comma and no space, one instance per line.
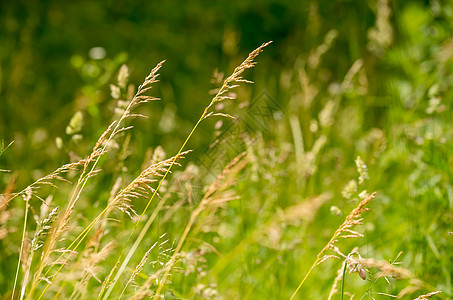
(248,63)
(27,199)
(344,231)
(221,95)
(305,278)
(137,270)
(342,280)
(27,274)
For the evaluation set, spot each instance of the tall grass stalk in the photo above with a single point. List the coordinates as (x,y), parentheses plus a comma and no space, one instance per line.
(342,280)
(27,199)
(344,231)
(231,82)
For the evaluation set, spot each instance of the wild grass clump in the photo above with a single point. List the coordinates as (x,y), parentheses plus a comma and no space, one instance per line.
(40,264)
(278,210)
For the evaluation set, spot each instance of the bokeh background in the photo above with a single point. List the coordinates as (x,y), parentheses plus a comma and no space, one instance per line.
(351,78)
(48,71)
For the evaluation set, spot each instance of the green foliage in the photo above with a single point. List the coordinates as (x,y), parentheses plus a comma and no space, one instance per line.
(352,97)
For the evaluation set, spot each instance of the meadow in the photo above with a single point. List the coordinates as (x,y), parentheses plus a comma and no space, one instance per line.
(313,160)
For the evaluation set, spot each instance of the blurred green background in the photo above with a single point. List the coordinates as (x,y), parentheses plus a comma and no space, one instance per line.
(368,78)
(47,72)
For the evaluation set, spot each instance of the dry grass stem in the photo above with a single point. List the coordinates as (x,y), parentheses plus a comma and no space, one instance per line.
(47,180)
(8,194)
(139,267)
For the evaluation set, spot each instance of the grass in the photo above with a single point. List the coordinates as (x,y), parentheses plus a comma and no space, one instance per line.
(140,187)
(279,209)
(344,231)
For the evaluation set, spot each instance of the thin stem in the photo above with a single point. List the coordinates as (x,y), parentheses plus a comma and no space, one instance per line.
(124,289)
(318,258)
(305,278)
(351,220)
(234,77)
(21,248)
(342,281)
